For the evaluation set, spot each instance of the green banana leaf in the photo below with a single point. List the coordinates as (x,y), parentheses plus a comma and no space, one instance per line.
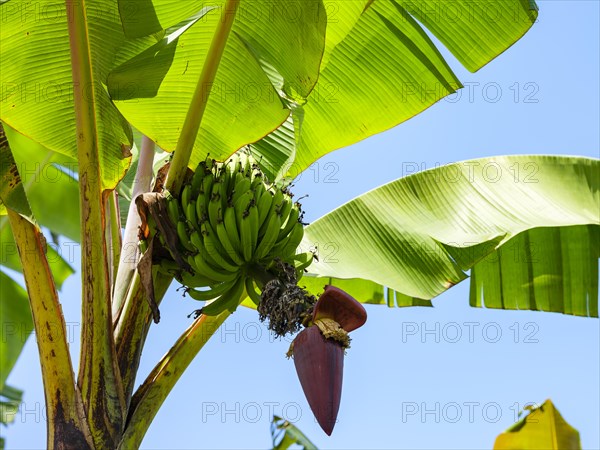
(529,236)
(51,187)
(38,86)
(375,68)
(244,105)
(286,434)
(49,193)
(542,428)
(378,68)
(16,324)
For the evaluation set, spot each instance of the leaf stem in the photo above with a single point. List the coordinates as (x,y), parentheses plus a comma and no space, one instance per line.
(193,119)
(130,251)
(98,379)
(64,405)
(65,412)
(152,393)
(132,329)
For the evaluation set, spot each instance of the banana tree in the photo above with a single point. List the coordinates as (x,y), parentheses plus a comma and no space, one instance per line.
(100,70)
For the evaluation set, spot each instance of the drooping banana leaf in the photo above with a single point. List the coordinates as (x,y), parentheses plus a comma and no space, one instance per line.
(380,69)
(526,226)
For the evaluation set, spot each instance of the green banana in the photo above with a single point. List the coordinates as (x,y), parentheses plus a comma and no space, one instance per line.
(204,268)
(201,208)
(215,250)
(249,232)
(195,280)
(186,194)
(276,202)
(232,231)
(254,296)
(207,183)
(213,292)
(215,204)
(292,220)
(285,208)
(303,260)
(197,179)
(264,205)
(227,216)
(293,241)
(197,241)
(190,215)
(241,188)
(227,244)
(184,238)
(173,210)
(229,300)
(269,238)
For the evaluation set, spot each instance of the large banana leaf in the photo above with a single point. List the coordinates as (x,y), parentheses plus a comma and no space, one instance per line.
(378,68)
(526,226)
(256,77)
(37,97)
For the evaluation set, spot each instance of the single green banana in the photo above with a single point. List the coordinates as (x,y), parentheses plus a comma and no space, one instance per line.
(173,210)
(249,233)
(186,195)
(204,268)
(183,235)
(197,241)
(241,207)
(195,280)
(285,208)
(303,260)
(214,205)
(190,214)
(292,220)
(227,244)
(269,238)
(264,205)
(224,191)
(232,232)
(257,185)
(229,300)
(276,203)
(207,183)
(197,179)
(212,293)
(201,208)
(241,188)
(216,251)
(254,296)
(294,238)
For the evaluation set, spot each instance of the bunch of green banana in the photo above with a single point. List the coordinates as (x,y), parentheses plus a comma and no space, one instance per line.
(231,221)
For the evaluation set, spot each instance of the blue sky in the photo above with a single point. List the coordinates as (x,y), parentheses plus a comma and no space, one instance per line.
(409,383)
